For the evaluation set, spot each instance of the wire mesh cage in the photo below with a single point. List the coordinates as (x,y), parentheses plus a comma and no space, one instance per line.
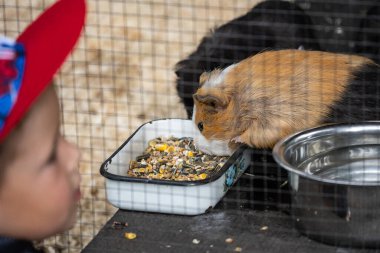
(132,78)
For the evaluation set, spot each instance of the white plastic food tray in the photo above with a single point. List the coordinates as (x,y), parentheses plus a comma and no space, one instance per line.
(166,196)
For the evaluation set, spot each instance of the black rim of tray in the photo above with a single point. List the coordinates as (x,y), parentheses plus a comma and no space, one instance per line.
(103,168)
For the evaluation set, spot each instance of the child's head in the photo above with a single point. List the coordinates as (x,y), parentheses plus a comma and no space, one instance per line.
(39,189)
(39,178)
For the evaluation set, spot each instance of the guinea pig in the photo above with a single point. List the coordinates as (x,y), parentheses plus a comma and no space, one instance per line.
(273,94)
(268,25)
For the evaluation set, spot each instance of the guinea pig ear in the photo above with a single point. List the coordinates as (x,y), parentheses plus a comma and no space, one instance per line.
(213,102)
(204,77)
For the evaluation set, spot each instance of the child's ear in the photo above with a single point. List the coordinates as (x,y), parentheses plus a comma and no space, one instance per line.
(214,100)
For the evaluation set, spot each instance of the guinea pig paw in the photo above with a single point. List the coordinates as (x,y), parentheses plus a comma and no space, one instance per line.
(237,139)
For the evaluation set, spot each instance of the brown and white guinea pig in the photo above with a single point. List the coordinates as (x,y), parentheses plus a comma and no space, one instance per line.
(276,93)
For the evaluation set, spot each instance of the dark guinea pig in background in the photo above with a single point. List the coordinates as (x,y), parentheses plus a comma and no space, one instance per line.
(277,25)
(269,25)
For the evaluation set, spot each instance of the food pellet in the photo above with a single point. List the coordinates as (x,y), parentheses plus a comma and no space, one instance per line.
(130,235)
(196,241)
(238,249)
(229,240)
(175,159)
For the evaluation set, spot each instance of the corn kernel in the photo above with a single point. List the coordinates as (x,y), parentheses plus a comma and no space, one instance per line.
(190,154)
(149,168)
(170,149)
(203,176)
(161,147)
(130,236)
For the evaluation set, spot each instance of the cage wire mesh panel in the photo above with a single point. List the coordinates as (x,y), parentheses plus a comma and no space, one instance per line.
(123,74)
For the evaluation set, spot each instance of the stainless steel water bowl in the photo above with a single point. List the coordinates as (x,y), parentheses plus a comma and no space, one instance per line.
(334,176)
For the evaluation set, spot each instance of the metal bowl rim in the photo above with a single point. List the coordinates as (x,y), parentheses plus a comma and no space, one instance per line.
(280,146)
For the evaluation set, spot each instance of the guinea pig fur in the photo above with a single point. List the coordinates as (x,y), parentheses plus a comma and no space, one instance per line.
(273,94)
(268,25)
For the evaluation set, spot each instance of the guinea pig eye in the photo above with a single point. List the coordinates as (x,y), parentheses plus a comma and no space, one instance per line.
(200,126)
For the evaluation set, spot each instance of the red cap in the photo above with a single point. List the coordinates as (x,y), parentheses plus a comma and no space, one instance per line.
(47,42)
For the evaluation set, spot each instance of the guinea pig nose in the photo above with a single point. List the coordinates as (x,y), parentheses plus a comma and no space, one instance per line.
(200,126)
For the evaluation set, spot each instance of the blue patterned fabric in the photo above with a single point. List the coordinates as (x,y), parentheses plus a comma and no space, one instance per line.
(12,61)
